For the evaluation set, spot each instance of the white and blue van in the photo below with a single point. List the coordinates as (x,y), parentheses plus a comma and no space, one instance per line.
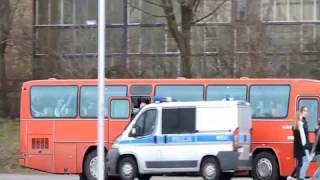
(207,138)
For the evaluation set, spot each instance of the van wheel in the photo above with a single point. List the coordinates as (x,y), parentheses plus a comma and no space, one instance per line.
(265,167)
(210,169)
(128,169)
(145,177)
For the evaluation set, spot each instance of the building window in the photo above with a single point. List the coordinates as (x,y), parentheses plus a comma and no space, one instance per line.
(211,38)
(242,39)
(308,9)
(289,10)
(295,13)
(309,37)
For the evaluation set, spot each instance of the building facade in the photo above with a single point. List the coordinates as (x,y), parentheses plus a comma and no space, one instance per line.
(253,38)
(243,38)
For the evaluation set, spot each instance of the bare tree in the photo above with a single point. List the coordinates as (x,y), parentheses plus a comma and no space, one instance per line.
(180,29)
(5,26)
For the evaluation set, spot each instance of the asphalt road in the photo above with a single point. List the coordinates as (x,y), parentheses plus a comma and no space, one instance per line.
(74,177)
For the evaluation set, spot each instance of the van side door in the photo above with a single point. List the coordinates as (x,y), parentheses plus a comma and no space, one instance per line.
(143,140)
(178,149)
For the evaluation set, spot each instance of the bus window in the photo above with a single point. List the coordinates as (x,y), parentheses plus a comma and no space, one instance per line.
(181,93)
(119,109)
(312,105)
(141,90)
(269,101)
(140,95)
(88,99)
(54,101)
(219,92)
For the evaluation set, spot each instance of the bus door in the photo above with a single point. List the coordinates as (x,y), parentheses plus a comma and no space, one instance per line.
(140,95)
(312,103)
(118,118)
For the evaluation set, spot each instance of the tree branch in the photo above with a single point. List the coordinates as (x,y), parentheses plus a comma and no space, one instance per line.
(171,20)
(153,3)
(196,6)
(211,13)
(146,12)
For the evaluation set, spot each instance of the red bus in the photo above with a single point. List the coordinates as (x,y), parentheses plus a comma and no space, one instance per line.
(58,130)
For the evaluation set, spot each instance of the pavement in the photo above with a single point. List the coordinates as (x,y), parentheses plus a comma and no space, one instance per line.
(75,177)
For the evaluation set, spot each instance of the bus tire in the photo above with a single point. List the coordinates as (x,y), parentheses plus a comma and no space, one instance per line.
(265,167)
(128,168)
(210,169)
(90,164)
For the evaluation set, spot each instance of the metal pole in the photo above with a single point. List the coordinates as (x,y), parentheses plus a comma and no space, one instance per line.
(101,76)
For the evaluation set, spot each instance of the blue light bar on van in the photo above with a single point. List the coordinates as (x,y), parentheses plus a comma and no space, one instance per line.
(231,98)
(160,99)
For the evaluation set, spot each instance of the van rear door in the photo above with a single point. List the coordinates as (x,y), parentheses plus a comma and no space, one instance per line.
(244,137)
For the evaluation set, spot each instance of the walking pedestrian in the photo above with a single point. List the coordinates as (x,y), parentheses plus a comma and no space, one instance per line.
(301,145)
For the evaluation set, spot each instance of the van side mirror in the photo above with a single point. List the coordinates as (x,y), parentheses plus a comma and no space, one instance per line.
(134,132)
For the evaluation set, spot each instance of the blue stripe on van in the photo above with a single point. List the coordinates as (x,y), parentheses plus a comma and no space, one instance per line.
(184,139)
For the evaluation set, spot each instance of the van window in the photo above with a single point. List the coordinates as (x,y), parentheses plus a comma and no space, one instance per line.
(88,99)
(145,125)
(181,93)
(218,92)
(269,101)
(54,101)
(312,105)
(119,109)
(178,121)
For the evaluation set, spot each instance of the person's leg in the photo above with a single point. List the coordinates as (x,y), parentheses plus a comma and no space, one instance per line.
(304,167)
(317,173)
(298,167)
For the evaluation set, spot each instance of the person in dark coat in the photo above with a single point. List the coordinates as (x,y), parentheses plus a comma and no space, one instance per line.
(301,144)
(316,151)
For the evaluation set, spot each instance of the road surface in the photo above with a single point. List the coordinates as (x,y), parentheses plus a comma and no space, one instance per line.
(74,177)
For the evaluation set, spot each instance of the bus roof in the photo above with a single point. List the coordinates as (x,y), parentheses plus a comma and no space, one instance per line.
(169,81)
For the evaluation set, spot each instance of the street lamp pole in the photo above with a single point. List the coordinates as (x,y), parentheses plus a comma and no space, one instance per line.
(101,77)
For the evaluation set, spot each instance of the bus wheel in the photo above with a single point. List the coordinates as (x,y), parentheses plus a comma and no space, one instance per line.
(210,169)
(128,169)
(265,167)
(91,166)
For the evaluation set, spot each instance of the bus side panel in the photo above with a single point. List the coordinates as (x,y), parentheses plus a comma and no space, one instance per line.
(65,158)
(41,162)
(75,131)
(23,143)
(285,158)
(40,145)
(269,131)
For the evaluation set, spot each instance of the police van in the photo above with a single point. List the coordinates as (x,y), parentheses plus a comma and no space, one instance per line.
(208,138)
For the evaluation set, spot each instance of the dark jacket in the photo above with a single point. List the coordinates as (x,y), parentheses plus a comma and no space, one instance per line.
(299,149)
(317,150)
